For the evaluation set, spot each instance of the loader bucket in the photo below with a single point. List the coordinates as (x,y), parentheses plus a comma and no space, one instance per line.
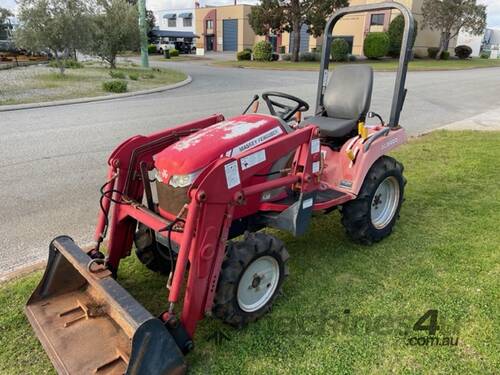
(89,324)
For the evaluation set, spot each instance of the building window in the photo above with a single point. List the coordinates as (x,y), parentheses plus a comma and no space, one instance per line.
(210,24)
(172,22)
(377,19)
(187,22)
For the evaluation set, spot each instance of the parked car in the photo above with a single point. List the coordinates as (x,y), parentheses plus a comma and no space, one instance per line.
(162,46)
(184,47)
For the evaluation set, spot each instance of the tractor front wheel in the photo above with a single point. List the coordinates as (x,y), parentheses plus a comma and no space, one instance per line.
(372,215)
(251,278)
(152,254)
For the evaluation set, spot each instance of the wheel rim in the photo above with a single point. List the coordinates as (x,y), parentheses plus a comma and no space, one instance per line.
(258,283)
(385,202)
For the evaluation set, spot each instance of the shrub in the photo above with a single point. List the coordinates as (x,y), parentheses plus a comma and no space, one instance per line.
(485,54)
(275,56)
(133,76)
(352,58)
(262,51)
(286,57)
(307,56)
(376,45)
(395,33)
(432,52)
(463,52)
(340,50)
(174,52)
(117,74)
(148,75)
(68,64)
(244,55)
(151,49)
(247,49)
(282,49)
(116,86)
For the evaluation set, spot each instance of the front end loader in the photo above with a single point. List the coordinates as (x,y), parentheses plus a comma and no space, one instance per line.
(194,200)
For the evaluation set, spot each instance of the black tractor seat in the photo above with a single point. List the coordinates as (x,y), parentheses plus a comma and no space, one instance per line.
(346,101)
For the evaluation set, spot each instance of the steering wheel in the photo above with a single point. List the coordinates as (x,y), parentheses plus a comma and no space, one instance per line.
(287,111)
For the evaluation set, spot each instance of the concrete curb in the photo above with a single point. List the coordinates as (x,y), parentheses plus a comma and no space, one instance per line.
(23,271)
(16,107)
(37,265)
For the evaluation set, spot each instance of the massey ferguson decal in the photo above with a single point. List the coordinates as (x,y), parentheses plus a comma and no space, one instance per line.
(270,134)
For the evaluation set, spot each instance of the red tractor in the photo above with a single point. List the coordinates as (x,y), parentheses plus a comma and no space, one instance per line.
(181,194)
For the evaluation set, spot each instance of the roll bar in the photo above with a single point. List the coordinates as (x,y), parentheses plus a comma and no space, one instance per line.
(399,87)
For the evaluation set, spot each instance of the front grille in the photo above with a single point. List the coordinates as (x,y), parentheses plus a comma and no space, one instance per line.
(171,199)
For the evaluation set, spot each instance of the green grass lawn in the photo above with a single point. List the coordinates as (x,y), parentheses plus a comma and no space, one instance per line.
(42,83)
(382,65)
(444,254)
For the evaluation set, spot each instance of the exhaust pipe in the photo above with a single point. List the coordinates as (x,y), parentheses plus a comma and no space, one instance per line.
(89,324)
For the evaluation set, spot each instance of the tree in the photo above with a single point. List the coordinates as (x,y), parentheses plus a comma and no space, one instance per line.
(150,20)
(290,15)
(451,16)
(4,13)
(61,26)
(266,17)
(116,29)
(395,32)
(150,16)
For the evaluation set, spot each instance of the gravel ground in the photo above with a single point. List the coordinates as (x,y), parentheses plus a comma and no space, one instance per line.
(41,83)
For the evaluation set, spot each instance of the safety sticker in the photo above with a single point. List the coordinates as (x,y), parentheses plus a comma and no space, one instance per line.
(253,159)
(232,174)
(307,203)
(266,136)
(315,167)
(315,146)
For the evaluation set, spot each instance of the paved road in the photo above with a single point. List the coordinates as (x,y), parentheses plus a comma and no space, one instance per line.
(52,160)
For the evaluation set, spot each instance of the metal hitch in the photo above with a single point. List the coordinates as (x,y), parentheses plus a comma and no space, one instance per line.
(89,324)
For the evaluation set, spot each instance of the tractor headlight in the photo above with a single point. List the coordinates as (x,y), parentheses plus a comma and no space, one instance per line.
(184,179)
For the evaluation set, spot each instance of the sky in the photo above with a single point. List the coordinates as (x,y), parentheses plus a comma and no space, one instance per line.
(493,6)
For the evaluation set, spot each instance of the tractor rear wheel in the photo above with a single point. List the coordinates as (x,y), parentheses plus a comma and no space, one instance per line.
(372,215)
(251,278)
(152,254)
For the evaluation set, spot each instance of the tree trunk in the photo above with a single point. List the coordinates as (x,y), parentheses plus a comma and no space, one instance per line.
(443,44)
(112,62)
(60,63)
(296,40)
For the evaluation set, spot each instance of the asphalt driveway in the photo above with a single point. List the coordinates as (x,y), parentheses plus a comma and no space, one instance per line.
(53,160)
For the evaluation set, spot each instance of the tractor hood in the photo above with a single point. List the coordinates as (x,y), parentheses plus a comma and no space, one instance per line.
(226,138)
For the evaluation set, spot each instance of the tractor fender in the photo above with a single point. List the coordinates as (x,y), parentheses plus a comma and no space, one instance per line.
(347,169)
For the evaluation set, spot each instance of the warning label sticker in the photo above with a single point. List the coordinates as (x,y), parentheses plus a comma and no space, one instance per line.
(270,134)
(253,159)
(232,174)
(315,146)
(315,167)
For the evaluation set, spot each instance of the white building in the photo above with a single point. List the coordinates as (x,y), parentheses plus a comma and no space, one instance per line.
(491,38)
(473,41)
(176,20)
(175,26)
